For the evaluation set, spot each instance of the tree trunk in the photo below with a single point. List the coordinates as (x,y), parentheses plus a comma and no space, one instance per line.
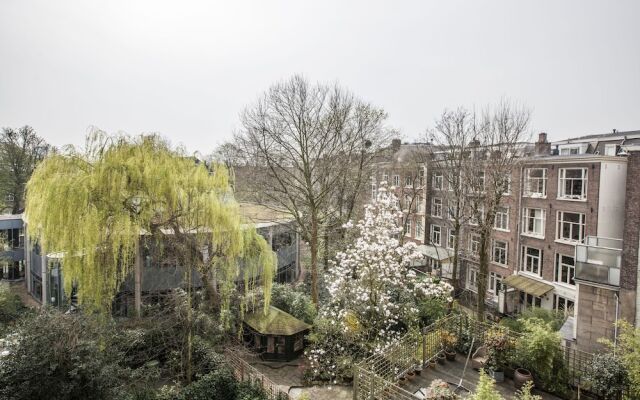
(314,259)
(483,273)
(137,286)
(454,267)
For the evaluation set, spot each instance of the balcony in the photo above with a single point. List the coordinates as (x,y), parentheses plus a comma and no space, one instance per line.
(598,260)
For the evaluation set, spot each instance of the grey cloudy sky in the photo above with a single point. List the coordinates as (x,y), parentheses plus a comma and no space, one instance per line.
(186,69)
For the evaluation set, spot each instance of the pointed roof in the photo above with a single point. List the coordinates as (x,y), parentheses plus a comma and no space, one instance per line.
(275,322)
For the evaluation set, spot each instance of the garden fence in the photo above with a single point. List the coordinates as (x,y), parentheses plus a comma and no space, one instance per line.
(244,372)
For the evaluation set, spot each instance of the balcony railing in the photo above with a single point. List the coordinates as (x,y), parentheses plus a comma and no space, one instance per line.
(598,260)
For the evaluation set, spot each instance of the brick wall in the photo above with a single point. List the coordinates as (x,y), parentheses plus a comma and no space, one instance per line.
(596,317)
(629,271)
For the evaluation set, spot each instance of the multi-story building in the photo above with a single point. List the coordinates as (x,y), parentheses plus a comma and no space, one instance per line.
(565,236)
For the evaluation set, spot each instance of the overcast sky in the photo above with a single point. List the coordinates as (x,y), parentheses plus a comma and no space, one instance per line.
(186,69)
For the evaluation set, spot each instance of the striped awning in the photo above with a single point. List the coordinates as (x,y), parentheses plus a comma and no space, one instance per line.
(529,285)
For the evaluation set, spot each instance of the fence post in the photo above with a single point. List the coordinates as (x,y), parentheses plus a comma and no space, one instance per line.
(355,382)
(424,347)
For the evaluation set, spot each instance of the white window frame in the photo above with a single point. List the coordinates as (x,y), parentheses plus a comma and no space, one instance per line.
(567,307)
(504,252)
(407,227)
(419,229)
(528,260)
(385,176)
(421,177)
(580,226)
(608,148)
(396,180)
(537,221)
(570,270)
(563,181)
(432,232)
(436,208)
(437,180)
(570,150)
(451,240)
(473,220)
(472,278)
(501,220)
(374,190)
(474,243)
(408,181)
(495,282)
(538,182)
(451,209)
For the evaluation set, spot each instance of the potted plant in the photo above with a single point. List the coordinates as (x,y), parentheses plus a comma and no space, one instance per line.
(449,341)
(441,357)
(432,362)
(521,376)
(498,344)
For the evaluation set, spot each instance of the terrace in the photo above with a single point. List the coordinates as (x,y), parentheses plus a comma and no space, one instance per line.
(383,377)
(598,261)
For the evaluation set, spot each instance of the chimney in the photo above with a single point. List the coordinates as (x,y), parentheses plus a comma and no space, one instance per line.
(395,144)
(543,147)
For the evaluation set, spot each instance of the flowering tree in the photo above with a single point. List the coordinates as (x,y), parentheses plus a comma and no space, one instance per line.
(373,292)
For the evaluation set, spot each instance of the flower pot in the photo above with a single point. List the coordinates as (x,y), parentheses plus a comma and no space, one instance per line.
(410,375)
(497,376)
(520,377)
(441,357)
(402,380)
(451,355)
(432,363)
(418,369)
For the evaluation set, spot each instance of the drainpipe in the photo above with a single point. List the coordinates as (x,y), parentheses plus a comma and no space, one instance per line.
(615,326)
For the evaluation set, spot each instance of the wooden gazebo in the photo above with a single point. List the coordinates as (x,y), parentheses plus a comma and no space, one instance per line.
(276,335)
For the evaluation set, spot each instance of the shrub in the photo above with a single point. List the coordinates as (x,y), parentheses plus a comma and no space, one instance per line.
(58,356)
(219,384)
(499,346)
(539,350)
(554,318)
(298,304)
(525,393)
(607,375)
(486,389)
(628,351)
(10,304)
(439,390)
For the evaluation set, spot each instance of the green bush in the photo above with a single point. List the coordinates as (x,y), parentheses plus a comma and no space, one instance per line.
(431,310)
(607,375)
(10,304)
(219,384)
(296,303)
(58,356)
(554,318)
(539,350)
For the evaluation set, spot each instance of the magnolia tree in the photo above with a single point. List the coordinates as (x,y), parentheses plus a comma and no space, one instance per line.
(373,293)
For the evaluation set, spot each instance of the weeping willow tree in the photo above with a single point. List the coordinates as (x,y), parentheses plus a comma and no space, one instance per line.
(93,206)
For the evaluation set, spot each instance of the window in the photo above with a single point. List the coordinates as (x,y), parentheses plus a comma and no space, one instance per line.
(504,184)
(563,304)
(472,278)
(531,260)
(475,213)
(374,190)
(451,240)
(436,233)
(570,226)
(419,229)
(419,204)
(438,179)
(565,269)
(530,300)
(436,207)
(474,243)
(406,202)
(533,221)
(535,182)
(572,183)
(396,180)
(495,283)
(610,149)
(502,218)
(407,227)
(421,176)
(499,252)
(479,181)
(385,176)
(452,210)
(569,151)
(408,181)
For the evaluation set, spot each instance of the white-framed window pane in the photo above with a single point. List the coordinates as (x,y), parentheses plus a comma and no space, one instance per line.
(571,226)
(407,226)
(502,218)
(565,269)
(563,304)
(451,240)
(531,260)
(419,229)
(533,220)
(472,278)
(436,234)
(396,180)
(535,182)
(436,207)
(572,183)
(438,180)
(495,283)
(499,253)
(474,243)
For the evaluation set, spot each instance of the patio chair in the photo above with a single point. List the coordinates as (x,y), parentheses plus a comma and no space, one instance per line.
(479,358)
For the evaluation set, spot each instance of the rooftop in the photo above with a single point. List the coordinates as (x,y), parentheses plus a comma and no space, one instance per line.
(261,215)
(275,322)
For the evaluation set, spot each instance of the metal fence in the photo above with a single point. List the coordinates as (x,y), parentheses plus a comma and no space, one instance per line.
(244,372)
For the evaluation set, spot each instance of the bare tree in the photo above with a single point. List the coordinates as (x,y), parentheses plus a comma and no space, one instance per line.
(500,139)
(20,152)
(307,147)
(449,153)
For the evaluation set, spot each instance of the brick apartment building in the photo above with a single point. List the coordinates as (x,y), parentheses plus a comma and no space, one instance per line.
(565,237)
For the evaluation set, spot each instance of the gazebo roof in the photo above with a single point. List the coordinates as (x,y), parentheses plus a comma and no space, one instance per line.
(275,322)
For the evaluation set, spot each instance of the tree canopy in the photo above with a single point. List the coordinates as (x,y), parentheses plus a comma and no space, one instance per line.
(93,205)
